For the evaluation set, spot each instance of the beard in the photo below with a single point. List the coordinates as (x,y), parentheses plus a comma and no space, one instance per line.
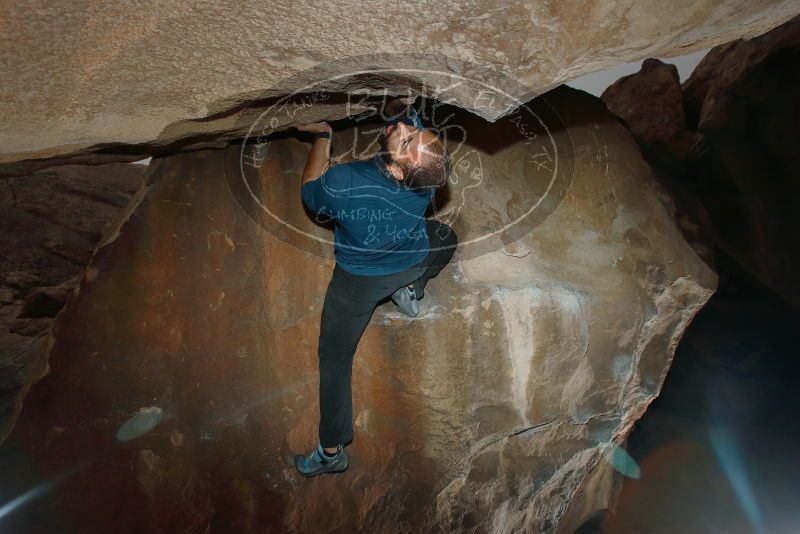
(388,157)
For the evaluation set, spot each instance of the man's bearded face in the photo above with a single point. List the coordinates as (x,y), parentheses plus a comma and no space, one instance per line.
(404,145)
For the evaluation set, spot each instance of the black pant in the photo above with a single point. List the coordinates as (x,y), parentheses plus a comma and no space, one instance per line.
(349,303)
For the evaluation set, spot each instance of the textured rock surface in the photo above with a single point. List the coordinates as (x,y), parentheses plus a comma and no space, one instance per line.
(732,381)
(155,72)
(716,76)
(651,104)
(740,180)
(492,410)
(748,179)
(50,222)
(650,101)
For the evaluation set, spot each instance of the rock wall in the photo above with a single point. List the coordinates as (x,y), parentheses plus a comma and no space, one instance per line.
(651,104)
(734,161)
(748,178)
(155,74)
(183,372)
(50,222)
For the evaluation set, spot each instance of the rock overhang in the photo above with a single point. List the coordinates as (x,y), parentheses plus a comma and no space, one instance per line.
(141,79)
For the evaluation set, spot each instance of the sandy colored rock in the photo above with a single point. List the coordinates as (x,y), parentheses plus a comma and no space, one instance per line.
(737,189)
(650,101)
(493,409)
(170,73)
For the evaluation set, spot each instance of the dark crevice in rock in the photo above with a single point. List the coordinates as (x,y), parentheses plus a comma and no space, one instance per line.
(528,430)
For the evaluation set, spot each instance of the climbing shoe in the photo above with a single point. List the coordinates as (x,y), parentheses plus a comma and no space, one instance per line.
(406,300)
(319,462)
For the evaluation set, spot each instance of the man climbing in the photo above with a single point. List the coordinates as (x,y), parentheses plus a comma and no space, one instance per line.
(383,246)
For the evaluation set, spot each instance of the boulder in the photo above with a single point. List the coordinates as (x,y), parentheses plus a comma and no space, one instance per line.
(50,221)
(650,101)
(717,74)
(748,179)
(651,104)
(152,78)
(735,181)
(183,372)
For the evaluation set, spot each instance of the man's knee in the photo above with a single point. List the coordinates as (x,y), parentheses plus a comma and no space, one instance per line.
(446,235)
(450,241)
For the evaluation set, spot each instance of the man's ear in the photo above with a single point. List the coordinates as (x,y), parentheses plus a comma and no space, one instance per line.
(404,169)
(397,172)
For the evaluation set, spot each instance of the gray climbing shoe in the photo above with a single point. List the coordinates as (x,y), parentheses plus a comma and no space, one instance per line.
(406,300)
(316,463)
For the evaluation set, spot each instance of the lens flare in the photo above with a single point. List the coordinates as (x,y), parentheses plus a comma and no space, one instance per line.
(143,422)
(621,461)
(38,491)
(729,455)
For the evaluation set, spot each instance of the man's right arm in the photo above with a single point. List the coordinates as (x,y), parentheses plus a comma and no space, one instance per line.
(320,154)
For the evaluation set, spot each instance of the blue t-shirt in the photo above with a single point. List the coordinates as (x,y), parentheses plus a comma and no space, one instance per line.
(379,222)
